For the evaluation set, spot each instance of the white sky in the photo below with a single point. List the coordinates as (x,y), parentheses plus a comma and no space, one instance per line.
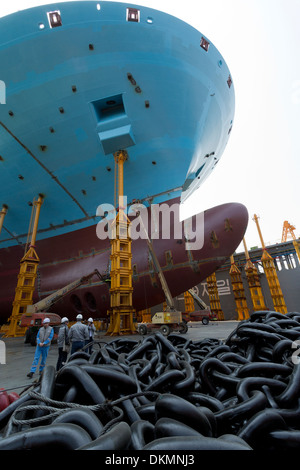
(260,41)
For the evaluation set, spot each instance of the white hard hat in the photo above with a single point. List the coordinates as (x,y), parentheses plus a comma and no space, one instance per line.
(64,320)
(47,320)
(90,319)
(79,317)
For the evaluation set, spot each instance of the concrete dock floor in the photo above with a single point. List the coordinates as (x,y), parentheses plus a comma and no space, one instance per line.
(19,356)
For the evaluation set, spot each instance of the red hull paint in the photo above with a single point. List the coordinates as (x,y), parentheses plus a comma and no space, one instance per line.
(68,257)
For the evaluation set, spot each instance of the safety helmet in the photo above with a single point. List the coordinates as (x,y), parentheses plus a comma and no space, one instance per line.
(64,320)
(79,317)
(90,320)
(46,320)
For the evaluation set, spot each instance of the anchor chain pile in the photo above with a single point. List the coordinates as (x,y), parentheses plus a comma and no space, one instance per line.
(169,393)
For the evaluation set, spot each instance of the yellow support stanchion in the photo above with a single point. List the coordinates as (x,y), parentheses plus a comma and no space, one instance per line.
(238,291)
(271,275)
(252,275)
(121,310)
(214,299)
(189,305)
(144,316)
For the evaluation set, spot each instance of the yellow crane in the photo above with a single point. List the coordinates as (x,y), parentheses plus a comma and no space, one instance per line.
(271,274)
(288,231)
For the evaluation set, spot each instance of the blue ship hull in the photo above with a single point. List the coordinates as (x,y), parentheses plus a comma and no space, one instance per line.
(85,79)
(80,81)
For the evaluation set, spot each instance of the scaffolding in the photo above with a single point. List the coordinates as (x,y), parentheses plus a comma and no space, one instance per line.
(271,275)
(252,275)
(27,276)
(214,299)
(238,291)
(121,310)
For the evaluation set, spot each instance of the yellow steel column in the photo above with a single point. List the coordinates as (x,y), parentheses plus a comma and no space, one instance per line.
(189,305)
(214,298)
(271,275)
(238,291)
(121,309)
(297,248)
(2,215)
(144,315)
(253,283)
(26,279)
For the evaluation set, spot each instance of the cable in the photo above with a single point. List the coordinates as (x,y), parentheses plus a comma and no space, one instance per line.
(58,407)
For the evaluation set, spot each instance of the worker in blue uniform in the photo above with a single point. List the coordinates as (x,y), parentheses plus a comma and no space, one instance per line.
(43,340)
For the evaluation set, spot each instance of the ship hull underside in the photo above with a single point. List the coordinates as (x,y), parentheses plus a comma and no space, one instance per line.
(98,83)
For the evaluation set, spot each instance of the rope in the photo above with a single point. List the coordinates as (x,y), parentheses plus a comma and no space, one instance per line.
(62,404)
(56,412)
(26,387)
(59,407)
